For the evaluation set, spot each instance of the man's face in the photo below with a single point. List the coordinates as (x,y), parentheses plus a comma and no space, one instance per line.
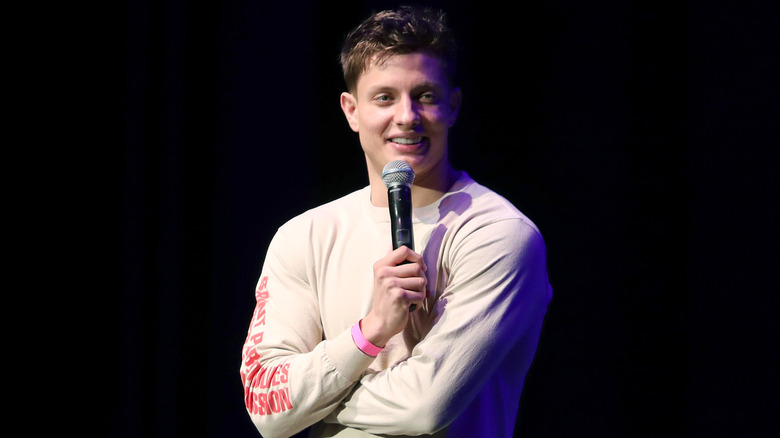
(402,110)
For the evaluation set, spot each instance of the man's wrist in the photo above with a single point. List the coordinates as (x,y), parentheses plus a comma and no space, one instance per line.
(362,343)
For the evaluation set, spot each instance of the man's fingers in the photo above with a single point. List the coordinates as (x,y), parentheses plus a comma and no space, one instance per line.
(402,278)
(405,255)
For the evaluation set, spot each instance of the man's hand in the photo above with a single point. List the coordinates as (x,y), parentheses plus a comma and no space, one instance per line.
(396,287)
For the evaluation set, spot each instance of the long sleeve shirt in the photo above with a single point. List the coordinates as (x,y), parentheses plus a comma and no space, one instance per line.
(458,367)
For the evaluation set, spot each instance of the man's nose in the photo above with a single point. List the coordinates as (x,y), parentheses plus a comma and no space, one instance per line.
(407,113)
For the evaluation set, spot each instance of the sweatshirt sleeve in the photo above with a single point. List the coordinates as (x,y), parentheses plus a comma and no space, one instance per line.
(493,305)
(292,378)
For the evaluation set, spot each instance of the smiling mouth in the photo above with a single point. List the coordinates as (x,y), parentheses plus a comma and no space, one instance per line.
(407,141)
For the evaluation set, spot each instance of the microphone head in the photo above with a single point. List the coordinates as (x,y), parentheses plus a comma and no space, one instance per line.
(397,172)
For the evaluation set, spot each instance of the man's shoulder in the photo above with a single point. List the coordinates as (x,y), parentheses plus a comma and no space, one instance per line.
(341,207)
(488,206)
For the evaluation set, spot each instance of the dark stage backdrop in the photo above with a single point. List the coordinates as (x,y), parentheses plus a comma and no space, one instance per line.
(640,136)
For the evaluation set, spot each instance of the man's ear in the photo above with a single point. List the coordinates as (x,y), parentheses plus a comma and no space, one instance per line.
(455,101)
(349,106)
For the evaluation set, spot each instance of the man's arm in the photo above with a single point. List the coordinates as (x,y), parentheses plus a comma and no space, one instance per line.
(497,292)
(291,377)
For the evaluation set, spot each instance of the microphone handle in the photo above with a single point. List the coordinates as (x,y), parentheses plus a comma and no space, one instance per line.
(399,199)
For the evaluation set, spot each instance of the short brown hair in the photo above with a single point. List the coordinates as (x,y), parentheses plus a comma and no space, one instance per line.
(397,32)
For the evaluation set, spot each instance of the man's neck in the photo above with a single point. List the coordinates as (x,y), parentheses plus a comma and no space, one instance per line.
(424,192)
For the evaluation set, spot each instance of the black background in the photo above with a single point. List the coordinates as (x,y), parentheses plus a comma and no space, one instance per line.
(640,136)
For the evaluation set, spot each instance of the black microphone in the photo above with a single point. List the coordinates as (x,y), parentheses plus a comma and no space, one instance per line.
(398,176)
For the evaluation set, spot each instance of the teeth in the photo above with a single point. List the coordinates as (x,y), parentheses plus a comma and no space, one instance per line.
(407,140)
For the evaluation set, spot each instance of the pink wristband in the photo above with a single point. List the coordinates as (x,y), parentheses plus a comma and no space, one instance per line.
(362,343)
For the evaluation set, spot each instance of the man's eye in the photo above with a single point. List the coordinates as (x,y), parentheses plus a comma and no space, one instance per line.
(383,98)
(428,98)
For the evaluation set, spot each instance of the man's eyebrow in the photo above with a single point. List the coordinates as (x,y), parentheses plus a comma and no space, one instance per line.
(380,88)
(426,85)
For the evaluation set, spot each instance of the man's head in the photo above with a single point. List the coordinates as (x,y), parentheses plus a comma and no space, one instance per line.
(401,99)
(398,32)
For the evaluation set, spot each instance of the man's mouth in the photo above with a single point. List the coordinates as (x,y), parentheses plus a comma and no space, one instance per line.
(407,141)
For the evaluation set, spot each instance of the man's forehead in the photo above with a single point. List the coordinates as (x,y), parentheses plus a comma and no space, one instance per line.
(384,60)
(420,69)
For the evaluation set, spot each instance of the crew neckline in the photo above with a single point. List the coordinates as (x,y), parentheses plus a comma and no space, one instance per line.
(426,214)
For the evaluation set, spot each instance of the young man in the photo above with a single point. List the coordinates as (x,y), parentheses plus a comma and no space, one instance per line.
(332,343)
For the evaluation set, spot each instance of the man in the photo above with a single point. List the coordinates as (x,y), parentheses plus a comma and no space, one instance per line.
(332,343)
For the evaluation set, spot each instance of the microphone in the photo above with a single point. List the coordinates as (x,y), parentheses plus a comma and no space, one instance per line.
(398,176)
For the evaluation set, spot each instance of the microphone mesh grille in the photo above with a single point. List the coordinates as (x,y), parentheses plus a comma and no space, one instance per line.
(397,172)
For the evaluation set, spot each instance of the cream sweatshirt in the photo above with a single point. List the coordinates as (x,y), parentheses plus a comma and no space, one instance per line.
(458,368)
